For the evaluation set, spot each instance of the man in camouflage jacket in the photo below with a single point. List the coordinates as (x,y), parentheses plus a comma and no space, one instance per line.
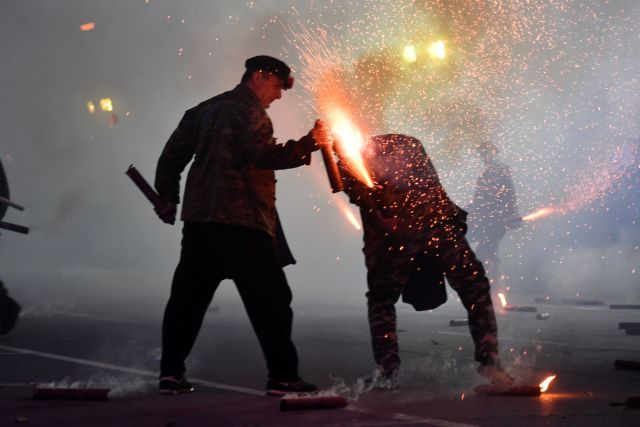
(411,225)
(231,228)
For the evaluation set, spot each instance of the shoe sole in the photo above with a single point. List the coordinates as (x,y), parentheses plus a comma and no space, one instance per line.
(173,392)
(277,392)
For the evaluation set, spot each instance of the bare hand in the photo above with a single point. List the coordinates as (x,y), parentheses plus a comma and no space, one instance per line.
(321,134)
(166,212)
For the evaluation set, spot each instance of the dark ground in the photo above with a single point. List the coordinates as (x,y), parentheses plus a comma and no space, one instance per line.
(93,331)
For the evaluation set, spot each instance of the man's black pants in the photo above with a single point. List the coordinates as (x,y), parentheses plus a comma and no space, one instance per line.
(210,253)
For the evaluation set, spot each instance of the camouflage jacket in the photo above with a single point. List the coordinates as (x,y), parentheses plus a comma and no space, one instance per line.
(232,178)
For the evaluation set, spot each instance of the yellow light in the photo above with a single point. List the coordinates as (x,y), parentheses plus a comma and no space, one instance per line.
(106,104)
(91,107)
(409,53)
(437,50)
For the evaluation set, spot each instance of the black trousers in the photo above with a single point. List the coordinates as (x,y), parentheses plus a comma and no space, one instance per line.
(210,253)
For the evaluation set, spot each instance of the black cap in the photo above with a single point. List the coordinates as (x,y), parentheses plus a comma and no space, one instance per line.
(271,65)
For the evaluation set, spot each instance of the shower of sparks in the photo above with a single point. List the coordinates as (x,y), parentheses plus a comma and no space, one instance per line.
(552,84)
(503,299)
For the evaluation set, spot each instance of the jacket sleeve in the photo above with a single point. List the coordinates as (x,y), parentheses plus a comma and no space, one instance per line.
(177,153)
(286,156)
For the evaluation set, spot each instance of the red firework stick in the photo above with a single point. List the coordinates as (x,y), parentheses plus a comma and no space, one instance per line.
(290,403)
(144,186)
(335,180)
(509,390)
(14,227)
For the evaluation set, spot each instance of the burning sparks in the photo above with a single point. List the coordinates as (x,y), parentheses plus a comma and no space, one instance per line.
(91,107)
(544,385)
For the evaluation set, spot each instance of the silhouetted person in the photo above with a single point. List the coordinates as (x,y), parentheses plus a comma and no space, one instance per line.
(413,235)
(231,228)
(494,209)
(9,309)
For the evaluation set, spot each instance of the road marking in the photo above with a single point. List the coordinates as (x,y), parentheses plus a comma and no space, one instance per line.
(136,371)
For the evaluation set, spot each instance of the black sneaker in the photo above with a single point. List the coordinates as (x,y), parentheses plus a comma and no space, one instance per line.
(175,385)
(9,313)
(280,388)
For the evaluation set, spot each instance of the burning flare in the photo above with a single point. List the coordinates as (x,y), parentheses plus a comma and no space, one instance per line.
(544,385)
(349,143)
(503,299)
(540,213)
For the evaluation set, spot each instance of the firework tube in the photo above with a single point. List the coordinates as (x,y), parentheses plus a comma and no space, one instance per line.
(295,402)
(515,390)
(335,180)
(5,201)
(14,227)
(144,186)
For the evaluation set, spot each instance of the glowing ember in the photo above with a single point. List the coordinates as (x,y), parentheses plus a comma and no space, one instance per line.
(544,385)
(349,143)
(106,104)
(503,299)
(409,53)
(88,26)
(91,107)
(437,50)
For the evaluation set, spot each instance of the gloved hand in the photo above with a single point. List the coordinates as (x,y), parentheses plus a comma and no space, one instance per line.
(166,212)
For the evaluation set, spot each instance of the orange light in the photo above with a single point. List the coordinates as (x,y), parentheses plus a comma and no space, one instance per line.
(539,214)
(503,299)
(350,142)
(544,385)
(345,209)
(88,26)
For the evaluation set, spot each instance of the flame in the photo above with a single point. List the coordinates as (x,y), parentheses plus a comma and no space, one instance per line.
(350,142)
(352,218)
(437,50)
(544,385)
(539,213)
(503,299)
(88,26)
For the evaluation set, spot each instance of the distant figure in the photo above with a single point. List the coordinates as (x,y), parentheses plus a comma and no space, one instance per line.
(414,235)
(494,210)
(231,227)
(9,309)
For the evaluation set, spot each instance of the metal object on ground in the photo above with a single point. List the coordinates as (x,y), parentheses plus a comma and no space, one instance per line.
(458,322)
(309,401)
(625,306)
(521,308)
(70,393)
(633,402)
(144,186)
(542,316)
(632,365)
(5,201)
(628,325)
(579,301)
(508,390)
(335,180)
(14,227)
